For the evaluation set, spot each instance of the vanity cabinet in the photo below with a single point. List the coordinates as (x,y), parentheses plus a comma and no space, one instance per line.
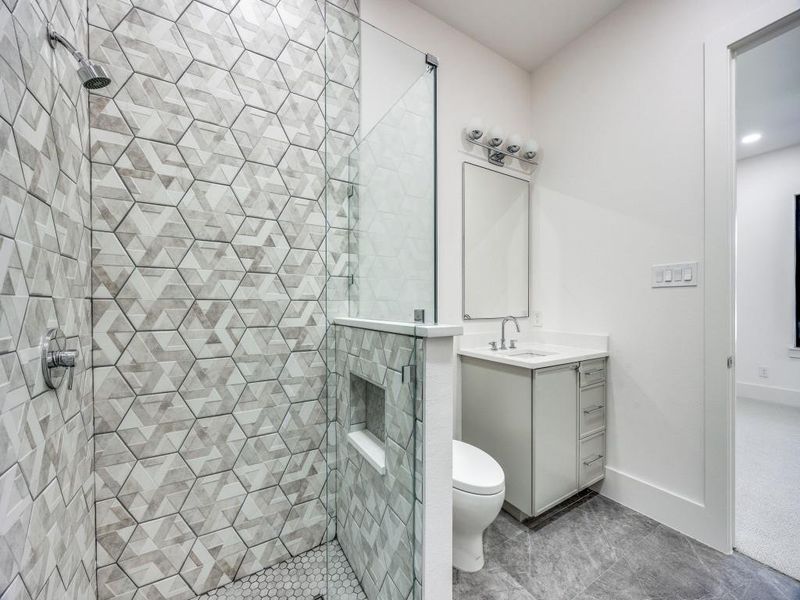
(546,427)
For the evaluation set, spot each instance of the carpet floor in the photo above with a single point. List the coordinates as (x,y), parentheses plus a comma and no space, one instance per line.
(768,484)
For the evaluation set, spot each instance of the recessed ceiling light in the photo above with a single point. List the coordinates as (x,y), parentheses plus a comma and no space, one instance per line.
(751,138)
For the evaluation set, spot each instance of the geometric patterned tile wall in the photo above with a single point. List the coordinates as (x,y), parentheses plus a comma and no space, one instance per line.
(47,505)
(209,275)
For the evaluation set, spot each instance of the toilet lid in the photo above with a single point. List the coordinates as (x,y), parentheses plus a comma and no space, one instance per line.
(476,472)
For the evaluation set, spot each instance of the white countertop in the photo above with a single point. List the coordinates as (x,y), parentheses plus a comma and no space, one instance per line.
(555,348)
(552,355)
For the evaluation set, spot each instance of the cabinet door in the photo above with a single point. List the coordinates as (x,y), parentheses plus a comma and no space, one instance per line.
(496,417)
(555,423)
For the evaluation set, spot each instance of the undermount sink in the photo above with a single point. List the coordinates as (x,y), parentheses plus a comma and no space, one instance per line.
(529,353)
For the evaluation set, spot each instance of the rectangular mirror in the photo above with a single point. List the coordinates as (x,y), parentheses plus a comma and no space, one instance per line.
(496,244)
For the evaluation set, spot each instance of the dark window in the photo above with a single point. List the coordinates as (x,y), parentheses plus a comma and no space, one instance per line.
(797,271)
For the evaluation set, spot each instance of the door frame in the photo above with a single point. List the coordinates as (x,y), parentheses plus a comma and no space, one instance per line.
(720,50)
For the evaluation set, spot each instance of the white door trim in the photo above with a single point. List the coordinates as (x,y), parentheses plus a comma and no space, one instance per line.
(720,205)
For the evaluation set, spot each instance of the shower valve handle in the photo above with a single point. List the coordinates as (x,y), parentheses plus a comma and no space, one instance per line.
(66,359)
(56,359)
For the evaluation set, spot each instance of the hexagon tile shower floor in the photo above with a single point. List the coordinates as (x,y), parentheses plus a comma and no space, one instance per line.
(300,578)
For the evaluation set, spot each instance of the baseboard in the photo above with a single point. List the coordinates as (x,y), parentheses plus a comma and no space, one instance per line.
(768,393)
(673,510)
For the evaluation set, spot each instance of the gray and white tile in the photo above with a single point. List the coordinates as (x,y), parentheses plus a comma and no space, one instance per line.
(210,35)
(260,27)
(260,191)
(211,152)
(211,94)
(154,109)
(153,45)
(259,79)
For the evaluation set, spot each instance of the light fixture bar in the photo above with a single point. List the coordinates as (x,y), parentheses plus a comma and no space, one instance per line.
(496,155)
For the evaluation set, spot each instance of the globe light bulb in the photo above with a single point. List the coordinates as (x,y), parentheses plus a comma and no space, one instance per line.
(514,143)
(496,136)
(475,129)
(530,149)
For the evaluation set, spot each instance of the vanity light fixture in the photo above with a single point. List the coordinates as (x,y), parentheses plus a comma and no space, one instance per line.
(498,148)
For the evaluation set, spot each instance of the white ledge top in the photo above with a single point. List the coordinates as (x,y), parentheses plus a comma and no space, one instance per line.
(368,446)
(401,328)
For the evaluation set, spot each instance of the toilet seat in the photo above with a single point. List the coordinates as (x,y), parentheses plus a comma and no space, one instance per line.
(475,472)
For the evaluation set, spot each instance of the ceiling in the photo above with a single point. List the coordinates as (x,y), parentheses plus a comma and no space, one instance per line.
(526,32)
(768,94)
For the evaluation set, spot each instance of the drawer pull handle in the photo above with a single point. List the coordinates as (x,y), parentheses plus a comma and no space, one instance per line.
(595,372)
(589,411)
(586,463)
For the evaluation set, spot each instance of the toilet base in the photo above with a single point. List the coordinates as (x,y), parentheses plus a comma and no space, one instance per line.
(468,552)
(472,514)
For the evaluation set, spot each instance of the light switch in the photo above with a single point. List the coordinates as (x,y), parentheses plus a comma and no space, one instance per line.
(675,275)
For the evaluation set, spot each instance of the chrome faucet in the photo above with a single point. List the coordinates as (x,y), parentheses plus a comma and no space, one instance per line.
(503,331)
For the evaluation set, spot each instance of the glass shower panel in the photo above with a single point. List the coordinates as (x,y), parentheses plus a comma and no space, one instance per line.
(380,158)
(392,211)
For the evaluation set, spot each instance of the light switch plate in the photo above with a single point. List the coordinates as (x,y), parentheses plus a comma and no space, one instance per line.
(675,275)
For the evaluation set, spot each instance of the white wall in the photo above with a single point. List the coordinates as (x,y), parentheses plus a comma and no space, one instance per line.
(619,113)
(766,188)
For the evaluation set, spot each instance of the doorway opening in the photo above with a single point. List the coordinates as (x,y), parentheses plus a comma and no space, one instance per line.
(767,302)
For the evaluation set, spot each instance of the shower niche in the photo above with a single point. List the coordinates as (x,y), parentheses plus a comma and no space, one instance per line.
(368,421)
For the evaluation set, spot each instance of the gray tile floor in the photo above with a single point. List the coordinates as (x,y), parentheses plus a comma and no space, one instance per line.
(299,578)
(597,549)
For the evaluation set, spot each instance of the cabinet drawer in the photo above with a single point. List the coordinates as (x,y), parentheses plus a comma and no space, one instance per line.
(592,371)
(591,467)
(593,409)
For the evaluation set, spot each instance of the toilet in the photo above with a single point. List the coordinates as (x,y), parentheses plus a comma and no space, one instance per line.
(479,488)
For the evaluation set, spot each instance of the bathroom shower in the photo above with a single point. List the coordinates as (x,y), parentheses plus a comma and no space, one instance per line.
(93,76)
(185,232)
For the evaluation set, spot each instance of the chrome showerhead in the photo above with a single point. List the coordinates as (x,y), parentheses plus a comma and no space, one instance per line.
(93,77)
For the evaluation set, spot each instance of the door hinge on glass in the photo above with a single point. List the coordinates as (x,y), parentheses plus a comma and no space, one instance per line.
(351,280)
(730,362)
(350,190)
(409,374)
